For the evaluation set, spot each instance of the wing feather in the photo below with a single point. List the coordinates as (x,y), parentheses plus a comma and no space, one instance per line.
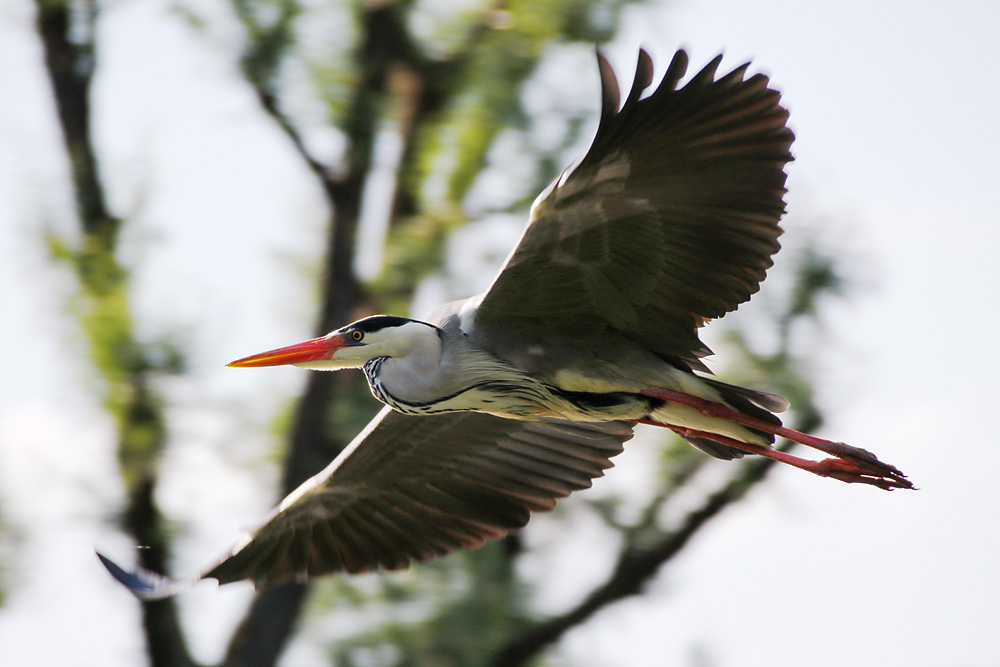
(669,220)
(410,488)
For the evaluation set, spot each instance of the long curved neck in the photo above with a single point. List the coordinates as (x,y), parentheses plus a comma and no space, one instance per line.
(412,371)
(451,375)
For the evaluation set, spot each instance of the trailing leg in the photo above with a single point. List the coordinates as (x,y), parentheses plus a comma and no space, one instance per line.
(851,462)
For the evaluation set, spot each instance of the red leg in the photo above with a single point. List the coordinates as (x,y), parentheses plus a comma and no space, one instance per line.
(856,459)
(842,469)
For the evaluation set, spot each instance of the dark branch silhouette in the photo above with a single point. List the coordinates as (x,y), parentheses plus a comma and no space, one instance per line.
(67,34)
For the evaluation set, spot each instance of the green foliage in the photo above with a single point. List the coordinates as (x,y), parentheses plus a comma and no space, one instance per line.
(482,100)
(449,106)
(415,249)
(467,607)
(103,308)
(486,97)
(271,36)
(817,276)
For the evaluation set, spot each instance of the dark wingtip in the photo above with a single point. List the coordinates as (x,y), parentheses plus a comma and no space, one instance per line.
(144,584)
(610,93)
(675,71)
(643,78)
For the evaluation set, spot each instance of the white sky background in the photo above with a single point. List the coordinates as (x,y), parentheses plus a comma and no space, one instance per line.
(894,108)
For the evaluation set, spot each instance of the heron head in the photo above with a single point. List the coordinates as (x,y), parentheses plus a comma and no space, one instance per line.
(353,345)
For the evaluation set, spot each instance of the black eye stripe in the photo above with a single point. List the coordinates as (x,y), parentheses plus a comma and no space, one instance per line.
(357,331)
(376,322)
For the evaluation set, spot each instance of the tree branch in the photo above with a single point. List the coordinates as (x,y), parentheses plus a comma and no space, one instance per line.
(634,568)
(316,437)
(67,34)
(815,277)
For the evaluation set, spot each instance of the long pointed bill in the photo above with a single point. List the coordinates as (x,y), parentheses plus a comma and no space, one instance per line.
(311,350)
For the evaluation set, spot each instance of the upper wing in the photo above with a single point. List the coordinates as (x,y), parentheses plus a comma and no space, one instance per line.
(409,488)
(669,220)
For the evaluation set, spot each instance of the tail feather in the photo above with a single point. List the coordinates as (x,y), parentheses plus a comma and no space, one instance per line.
(759,404)
(712,448)
(762,399)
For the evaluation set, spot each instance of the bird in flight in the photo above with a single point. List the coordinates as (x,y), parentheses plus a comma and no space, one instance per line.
(502,403)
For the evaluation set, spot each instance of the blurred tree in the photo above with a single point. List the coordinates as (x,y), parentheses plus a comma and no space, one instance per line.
(103,307)
(446,96)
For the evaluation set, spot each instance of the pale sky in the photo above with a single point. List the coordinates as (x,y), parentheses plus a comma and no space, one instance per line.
(894,108)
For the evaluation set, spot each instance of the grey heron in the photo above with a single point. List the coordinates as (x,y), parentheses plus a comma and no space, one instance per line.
(500,404)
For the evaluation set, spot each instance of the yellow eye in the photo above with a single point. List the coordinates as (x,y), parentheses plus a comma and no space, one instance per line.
(356,336)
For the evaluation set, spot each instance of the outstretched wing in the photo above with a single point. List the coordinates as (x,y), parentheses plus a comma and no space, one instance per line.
(409,488)
(669,220)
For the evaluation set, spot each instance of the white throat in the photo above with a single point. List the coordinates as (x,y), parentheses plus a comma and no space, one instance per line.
(407,363)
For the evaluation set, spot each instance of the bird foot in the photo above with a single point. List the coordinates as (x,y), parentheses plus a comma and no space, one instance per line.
(849,470)
(850,464)
(852,473)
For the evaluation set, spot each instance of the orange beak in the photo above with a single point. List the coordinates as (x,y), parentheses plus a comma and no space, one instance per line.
(311,350)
